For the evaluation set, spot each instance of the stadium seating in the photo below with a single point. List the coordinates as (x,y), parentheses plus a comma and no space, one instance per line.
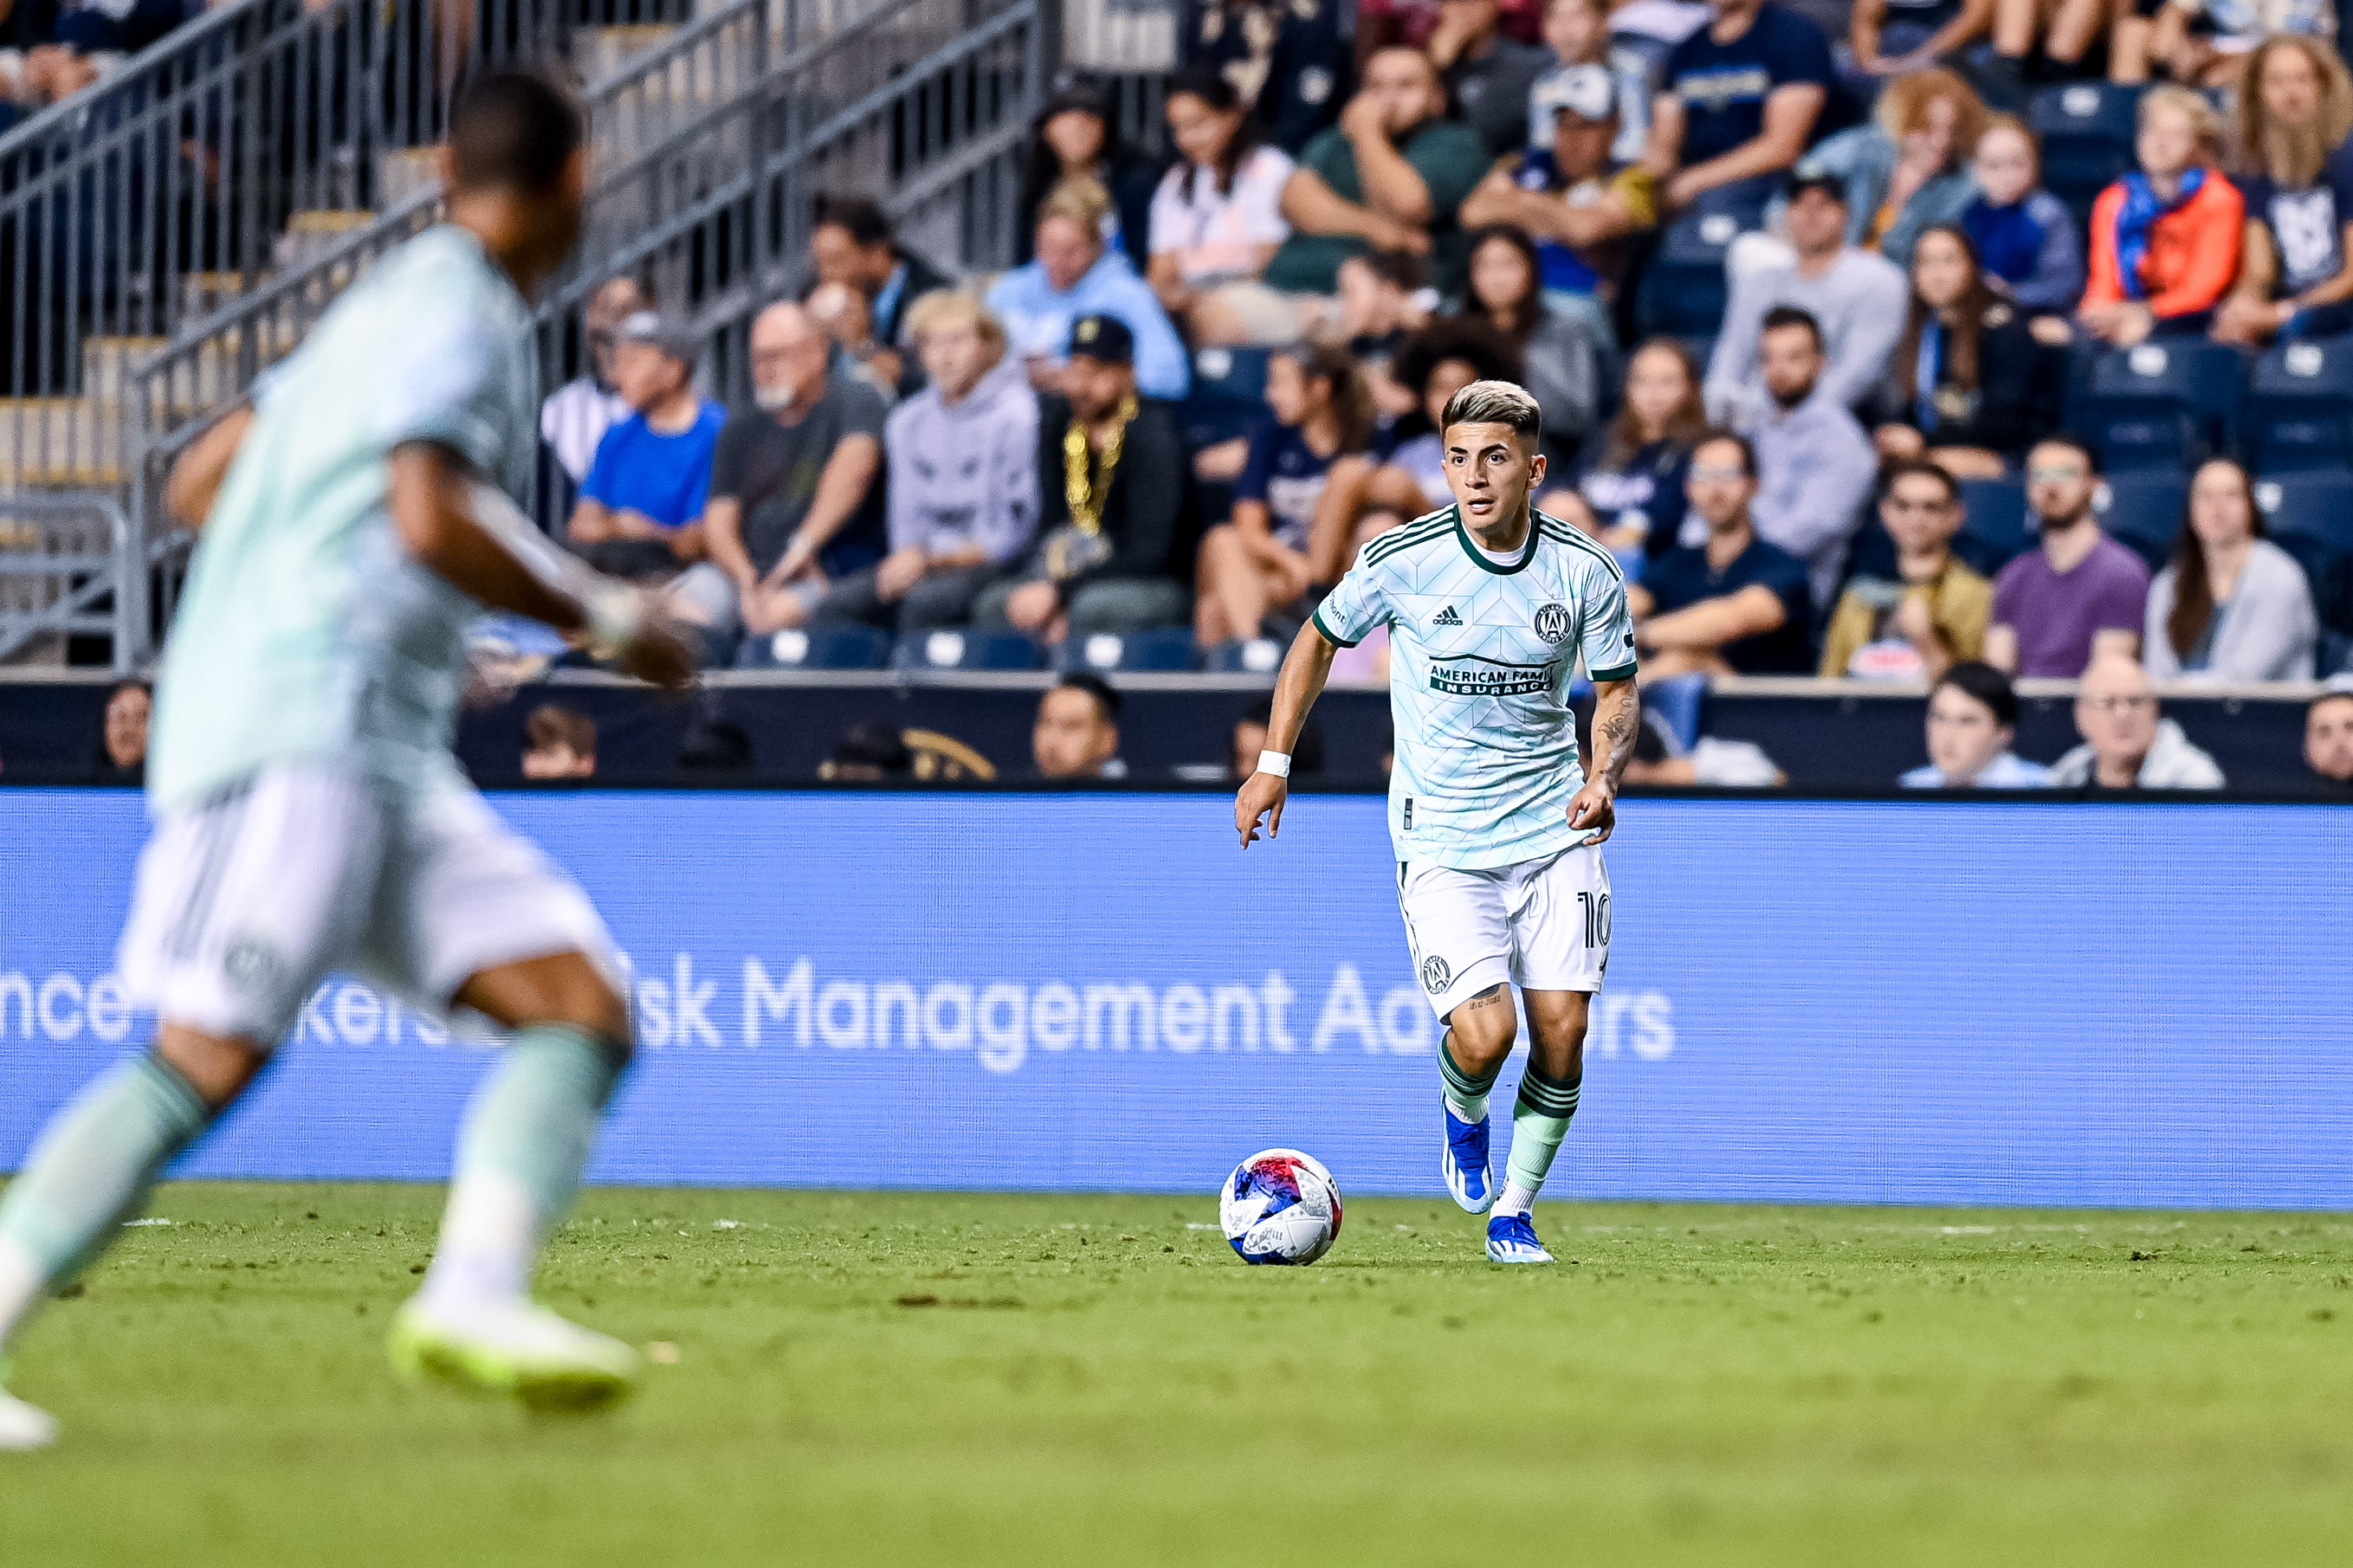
(1228,396)
(2166,403)
(2086,129)
(2143,510)
(819,648)
(1168,649)
(1994,521)
(2298,412)
(968,650)
(1682,290)
(1253,656)
(2318,505)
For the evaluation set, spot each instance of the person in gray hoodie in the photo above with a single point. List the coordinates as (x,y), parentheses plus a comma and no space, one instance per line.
(963,466)
(2127,743)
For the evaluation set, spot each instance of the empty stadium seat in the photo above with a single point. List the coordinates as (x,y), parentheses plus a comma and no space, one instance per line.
(1683,289)
(1167,649)
(968,650)
(2318,505)
(1228,396)
(818,647)
(2086,129)
(1995,521)
(2165,404)
(1250,656)
(2143,510)
(2298,412)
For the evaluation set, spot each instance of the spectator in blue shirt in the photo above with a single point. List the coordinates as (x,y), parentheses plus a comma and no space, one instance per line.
(1740,103)
(2024,235)
(1972,719)
(640,509)
(1288,519)
(1075,275)
(1733,604)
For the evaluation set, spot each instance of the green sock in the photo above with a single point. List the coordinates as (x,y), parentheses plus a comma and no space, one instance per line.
(1466,1094)
(526,1139)
(1539,1121)
(89,1172)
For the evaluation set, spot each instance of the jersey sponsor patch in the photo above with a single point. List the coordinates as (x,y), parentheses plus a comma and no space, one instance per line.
(1470,675)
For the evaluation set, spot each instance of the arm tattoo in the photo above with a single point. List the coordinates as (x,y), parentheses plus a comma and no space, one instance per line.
(1615,723)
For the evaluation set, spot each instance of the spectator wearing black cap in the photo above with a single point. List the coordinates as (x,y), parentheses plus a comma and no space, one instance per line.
(1972,719)
(1115,493)
(641,507)
(1856,297)
(1077,732)
(853,244)
(1076,137)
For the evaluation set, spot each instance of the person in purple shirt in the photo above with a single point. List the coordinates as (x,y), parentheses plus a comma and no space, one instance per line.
(2079,596)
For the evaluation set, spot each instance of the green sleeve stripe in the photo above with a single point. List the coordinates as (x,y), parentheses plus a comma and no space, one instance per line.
(1324,631)
(1623,672)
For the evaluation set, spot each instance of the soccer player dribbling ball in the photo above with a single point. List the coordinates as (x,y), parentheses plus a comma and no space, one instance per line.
(308,815)
(1498,828)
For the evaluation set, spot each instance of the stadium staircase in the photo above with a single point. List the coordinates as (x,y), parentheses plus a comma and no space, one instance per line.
(167,235)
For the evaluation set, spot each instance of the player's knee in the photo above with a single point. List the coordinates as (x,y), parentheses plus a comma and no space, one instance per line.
(1482,1030)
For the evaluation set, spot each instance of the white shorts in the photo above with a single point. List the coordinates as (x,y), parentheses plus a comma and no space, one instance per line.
(1542,925)
(244,904)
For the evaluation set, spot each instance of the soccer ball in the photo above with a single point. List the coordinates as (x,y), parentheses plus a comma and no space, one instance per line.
(1280,1207)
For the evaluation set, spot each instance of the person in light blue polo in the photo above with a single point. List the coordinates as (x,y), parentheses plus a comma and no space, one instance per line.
(1972,720)
(1076,274)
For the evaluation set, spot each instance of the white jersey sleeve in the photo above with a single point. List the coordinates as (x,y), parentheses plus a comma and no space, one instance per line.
(1606,639)
(1357,604)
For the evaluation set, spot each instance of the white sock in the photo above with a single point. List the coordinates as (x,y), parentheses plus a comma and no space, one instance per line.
(1474,1111)
(21,1284)
(490,1235)
(1516,1199)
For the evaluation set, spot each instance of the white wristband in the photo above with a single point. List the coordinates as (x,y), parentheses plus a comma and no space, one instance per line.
(1275,762)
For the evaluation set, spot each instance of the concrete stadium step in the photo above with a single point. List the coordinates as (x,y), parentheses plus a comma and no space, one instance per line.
(601,52)
(401,174)
(202,293)
(311,235)
(207,381)
(61,443)
(1119,36)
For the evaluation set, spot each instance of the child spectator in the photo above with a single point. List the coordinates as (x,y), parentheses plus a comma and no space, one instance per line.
(1908,168)
(2296,172)
(1076,275)
(1896,37)
(2081,593)
(640,509)
(1560,363)
(558,744)
(1074,139)
(1569,194)
(2024,235)
(1287,531)
(1970,383)
(1486,74)
(963,476)
(1932,614)
(2164,238)
(1741,98)
(1733,604)
(1972,723)
(852,243)
(2128,742)
(1635,484)
(1217,215)
(2213,58)
(2230,605)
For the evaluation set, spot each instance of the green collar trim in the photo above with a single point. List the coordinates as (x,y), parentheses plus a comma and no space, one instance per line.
(1479,556)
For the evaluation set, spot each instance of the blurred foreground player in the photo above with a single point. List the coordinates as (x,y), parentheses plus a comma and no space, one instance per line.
(1497,826)
(308,815)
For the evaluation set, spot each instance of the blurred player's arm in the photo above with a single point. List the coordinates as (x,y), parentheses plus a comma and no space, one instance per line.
(1305,670)
(196,477)
(1616,714)
(471,536)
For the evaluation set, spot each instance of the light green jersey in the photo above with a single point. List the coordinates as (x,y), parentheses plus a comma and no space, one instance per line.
(305,630)
(1481,652)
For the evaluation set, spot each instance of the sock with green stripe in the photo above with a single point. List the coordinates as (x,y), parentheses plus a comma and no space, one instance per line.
(1539,1121)
(89,1172)
(520,1155)
(1465,1095)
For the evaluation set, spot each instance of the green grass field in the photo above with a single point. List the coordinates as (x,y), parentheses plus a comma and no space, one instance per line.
(909,1378)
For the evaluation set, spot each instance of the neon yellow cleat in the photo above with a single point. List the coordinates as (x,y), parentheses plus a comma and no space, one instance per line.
(516,1348)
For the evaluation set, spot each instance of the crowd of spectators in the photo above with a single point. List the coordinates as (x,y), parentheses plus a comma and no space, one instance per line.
(1477,190)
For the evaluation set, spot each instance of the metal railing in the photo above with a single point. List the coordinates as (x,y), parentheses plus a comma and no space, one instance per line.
(68,566)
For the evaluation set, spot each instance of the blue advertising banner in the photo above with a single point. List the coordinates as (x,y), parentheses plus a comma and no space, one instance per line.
(1906,1001)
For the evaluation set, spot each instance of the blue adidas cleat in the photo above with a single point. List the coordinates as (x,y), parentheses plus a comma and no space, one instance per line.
(1468,1174)
(1512,1238)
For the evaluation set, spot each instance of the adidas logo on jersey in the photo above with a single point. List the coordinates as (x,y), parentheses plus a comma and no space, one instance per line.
(1446,618)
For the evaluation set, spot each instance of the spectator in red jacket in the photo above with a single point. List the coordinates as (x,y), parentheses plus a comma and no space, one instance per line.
(2164,238)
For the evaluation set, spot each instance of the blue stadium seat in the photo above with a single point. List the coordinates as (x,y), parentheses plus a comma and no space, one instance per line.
(1253,656)
(2298,412)
(2145,510)
(968,650)
(1683,289)
(1170,648)
(2329,572)
(818,647)
(1228,396)
(2318,505)
(2087,130)
(1995,518)
(2165,404)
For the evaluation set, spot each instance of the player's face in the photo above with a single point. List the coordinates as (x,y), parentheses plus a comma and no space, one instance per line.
(1918,514)
(2328,739)
(1490,472)
(1964,736)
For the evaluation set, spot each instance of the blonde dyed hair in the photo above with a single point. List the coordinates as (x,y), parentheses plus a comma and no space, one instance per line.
(2292,154)
(1904,106)
(2190,105)
(955,307)
(1081,200)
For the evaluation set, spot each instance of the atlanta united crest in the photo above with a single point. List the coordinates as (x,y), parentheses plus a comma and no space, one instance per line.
(1552,622)
(1435,974)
